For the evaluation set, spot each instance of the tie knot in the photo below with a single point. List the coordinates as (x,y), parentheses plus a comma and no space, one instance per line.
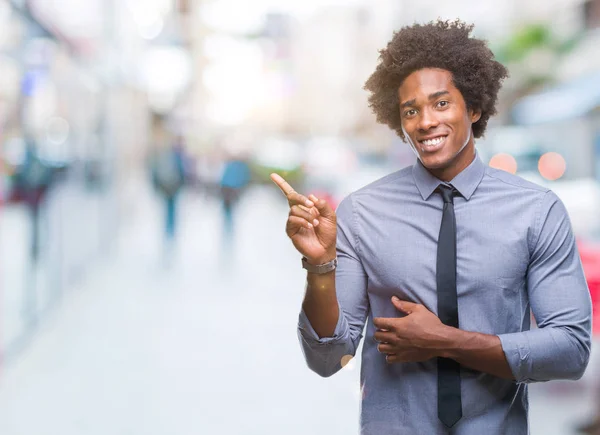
(448,193)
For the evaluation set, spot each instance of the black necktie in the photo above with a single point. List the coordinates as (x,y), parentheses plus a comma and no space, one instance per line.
(449,402)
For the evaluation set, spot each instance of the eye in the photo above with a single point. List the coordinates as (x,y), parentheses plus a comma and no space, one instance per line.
(409,113)
(443,103)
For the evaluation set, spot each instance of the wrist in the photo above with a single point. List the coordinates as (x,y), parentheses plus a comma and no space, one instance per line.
(322,259)
(450,342)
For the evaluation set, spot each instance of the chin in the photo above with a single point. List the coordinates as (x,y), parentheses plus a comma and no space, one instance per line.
(436,162)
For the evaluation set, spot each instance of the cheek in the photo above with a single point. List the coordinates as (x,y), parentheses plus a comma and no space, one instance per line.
(452,116)
(407,127)
(459,122)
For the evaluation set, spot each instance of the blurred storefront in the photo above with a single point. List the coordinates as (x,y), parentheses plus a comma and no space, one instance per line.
(548,128)
(65,102)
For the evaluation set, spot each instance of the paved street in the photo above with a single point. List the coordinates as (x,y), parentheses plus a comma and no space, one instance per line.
(203,344)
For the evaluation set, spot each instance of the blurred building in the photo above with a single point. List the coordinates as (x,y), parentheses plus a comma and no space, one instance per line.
(78,81)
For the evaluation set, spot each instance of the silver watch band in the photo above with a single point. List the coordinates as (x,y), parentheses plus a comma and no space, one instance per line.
(320,268)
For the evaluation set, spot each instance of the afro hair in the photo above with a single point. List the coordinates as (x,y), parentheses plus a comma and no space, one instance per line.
(441,44)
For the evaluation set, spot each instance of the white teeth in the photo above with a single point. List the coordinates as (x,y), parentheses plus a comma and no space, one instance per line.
(431,142)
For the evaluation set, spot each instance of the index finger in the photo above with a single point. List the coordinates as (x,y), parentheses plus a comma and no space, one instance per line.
(282,184)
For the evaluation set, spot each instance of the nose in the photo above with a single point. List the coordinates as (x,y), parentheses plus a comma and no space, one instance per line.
(427,120)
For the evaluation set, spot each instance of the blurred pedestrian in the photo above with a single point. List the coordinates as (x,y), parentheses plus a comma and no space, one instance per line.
(168,177)
(234,180)
(442,260)
(32,179)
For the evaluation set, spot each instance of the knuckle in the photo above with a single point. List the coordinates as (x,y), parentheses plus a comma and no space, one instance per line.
(296,197)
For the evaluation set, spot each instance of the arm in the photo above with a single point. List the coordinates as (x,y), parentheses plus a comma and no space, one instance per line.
(320,303)
(477,351)
(558,349)
(560,301)
(420,335)
(331,323)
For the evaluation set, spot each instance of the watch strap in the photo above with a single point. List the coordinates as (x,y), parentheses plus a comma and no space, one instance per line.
(319,268)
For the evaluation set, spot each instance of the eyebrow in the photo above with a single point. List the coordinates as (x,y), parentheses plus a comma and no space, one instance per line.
(431,97)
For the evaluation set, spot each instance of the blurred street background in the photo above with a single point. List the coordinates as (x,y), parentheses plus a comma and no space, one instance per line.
(146,283)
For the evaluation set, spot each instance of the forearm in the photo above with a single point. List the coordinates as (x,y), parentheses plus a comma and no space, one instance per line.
(476,351)
(320,303)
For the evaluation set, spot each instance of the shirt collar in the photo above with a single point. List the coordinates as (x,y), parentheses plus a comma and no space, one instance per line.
(466,182)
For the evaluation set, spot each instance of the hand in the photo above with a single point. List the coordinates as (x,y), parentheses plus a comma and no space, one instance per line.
(311,224)
(418,336)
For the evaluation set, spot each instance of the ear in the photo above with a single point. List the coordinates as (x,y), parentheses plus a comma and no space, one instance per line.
(475,115)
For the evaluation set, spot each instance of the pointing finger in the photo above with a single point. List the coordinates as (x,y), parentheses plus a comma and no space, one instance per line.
(282,184)
(292,196)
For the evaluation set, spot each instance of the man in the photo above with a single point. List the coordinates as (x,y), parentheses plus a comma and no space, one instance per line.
(444,260)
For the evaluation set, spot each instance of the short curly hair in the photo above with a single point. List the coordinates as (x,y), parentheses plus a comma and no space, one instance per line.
(441,44)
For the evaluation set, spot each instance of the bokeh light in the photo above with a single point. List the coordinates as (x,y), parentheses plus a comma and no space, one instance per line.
(552,166)
(505,162)
(57,130)
(348,362)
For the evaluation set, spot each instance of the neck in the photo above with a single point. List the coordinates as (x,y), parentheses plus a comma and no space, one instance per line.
(460,162)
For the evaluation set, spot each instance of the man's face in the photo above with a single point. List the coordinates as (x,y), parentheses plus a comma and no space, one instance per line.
(436,122)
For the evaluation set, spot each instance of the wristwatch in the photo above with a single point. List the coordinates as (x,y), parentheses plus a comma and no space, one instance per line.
(320,268)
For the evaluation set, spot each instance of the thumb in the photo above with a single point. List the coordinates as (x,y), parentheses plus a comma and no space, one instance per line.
(403,306)
(323,206)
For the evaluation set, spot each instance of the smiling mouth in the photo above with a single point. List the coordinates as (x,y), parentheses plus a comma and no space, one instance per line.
(434,144)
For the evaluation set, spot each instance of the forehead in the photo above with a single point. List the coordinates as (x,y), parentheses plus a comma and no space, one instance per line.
(423,82)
